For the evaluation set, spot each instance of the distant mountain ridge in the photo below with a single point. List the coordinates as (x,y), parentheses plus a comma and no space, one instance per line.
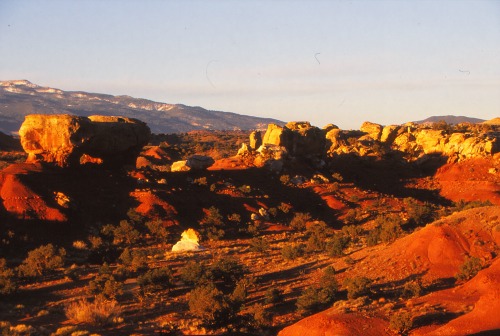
(451,119)
(21,97)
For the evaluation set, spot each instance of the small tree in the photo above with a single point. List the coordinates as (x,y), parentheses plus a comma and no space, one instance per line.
(292,251)
(192,273)
(42,260)
(213,224)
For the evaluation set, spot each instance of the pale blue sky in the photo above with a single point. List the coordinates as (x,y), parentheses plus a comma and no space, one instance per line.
(339,62)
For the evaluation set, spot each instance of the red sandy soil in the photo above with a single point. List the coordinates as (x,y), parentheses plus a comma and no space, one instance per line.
(433,254)
(21,201)
(471,180)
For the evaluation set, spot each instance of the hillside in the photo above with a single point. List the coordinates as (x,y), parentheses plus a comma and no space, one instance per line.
(19,98)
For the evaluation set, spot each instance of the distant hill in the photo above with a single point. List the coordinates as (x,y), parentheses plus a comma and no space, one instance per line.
(450,119)
(21,97)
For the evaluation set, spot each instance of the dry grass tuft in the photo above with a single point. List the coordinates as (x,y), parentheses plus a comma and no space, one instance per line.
(100,312)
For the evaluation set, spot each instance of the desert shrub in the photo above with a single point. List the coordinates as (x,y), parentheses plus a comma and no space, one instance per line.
(373,237)
(273,212)
(292,251)
(101,312)
(213,224)
(337,245)
(272,296)
(284,207)
(125,233)
(328,283)
(463,205)
(234,218)
(7,283)
(240,293)
(411,289)
(155,280)
(401,322)
(259,244)
(353,231)
(192,273)
(157,229)
(285,179)
(470,267)
(318,233)
(201,181)
(42,260)
(228,270)
(299,221)
(316,297)
(104,285)
(357,286)
(133,261)
(353,216)
(389,227)
(209,304)
(419,214)
(261,318)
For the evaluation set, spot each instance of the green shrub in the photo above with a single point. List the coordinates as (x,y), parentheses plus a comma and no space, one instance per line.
(104,284)
(470,267)
(419,214)
(7,283)
(273,295)
(389,227)
(373,237)
(213,224)
(228,270)
(133,261)
(157,229)
(337,245)
(209,304)
(42,260)
(299,221)
(155,280)
(259,244)
(260,316)
(126,233)
(292,251)
(401,322)
(411,289)
(192,273)
(318,233)
(324,293)
(356,287)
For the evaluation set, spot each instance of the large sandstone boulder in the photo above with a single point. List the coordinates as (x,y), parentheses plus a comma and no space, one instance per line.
(255,140)
(199,162)
(64,139)
(299,138)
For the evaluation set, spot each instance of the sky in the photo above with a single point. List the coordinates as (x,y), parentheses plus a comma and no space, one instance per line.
(340,62)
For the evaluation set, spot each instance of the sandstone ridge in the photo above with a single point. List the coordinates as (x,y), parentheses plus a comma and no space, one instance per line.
(67,140)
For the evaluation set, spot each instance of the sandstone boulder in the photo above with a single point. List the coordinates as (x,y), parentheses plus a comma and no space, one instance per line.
(255,140)
(372,129)
(189,242)
(199,162)
(63,139)
(179,166)
(389,133)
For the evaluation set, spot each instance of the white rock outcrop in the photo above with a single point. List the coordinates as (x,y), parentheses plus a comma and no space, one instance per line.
(189,242)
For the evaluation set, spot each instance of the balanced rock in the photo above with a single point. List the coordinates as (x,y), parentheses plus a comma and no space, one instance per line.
(199,162)
(64,139)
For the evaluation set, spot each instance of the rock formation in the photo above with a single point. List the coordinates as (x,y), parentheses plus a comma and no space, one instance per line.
(194,162)
(65,139)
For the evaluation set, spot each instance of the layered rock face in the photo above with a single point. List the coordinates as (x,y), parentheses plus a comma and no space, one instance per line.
(67,140)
